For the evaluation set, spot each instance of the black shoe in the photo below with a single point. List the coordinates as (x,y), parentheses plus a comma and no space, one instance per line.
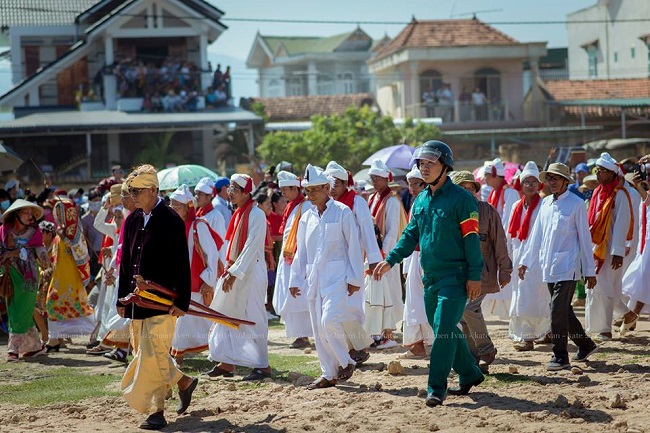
(218,371)
(156,421)
(54,348)
(433,400)
(583,354)
(464,389)
(558,364)
(185,397)
(360,356)
(257,374)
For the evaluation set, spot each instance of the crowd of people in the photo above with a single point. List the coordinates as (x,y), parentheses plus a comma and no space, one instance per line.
(170,274)
(473,105)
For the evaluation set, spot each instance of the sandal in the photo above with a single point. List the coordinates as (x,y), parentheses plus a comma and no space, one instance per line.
(346,373)
(116,355)
(411,355)
(98,350)
(321,383)
(218,371)
(12,357)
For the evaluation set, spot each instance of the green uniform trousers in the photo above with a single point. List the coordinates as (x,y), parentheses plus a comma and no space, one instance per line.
(444,301)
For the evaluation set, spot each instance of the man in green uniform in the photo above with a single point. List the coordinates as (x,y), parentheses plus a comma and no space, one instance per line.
(444,223)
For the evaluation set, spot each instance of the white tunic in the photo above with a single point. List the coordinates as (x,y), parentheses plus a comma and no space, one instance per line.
(416,324)
(560,240)
(637,276)
(191,332)
(216,221)
(609,281)
(327,260)
(384,306)
(247,346)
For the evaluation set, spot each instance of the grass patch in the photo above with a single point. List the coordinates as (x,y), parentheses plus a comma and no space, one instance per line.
(275,324)
(499,380)
(303,364)
(59,385)
(282,365)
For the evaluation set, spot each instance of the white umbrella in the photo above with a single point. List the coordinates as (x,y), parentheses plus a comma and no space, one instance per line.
(9,159)
(393,156)
(189,174)
(363,174)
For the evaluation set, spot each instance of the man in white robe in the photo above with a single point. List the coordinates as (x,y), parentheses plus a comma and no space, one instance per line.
(610,251)
(384,304)
(294,311)
(204,194)
(241,290)
(358,339)
(327,269)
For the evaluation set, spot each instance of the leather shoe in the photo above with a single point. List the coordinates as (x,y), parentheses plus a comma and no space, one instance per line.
(155,421)
(185,397)
(433,400)
(345,373)
(359,357)
(464,389)
(257,374)
(218,371)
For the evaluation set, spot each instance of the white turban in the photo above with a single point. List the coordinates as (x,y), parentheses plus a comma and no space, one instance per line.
(314,176)
(244,181)
(379,168)
(287,179)
(181,195)
(606,161)
(495,167)
(337,171)
(205,185)
(414,173)
(530,169)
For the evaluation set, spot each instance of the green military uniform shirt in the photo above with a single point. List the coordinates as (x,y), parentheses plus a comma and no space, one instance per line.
(445,224)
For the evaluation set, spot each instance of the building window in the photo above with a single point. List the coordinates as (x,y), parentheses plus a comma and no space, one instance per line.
(325,85)
(615,57)
(430,82)
(295,86)
(633,52)
(592,53)
(274,88)
(348,83)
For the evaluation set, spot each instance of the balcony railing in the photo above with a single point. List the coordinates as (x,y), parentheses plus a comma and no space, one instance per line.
(460,112)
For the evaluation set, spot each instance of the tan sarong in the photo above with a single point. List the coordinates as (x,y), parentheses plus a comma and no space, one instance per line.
(153,371)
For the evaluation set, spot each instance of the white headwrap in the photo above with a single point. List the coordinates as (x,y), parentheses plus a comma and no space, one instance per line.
(495,167)
(379,168)
(606,161)
(530,169)
(414,173)
(337,171)
(314,176)
(205,185)
(287,179)
(182,194)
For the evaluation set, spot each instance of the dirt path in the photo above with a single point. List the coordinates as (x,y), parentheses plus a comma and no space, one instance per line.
(610,395)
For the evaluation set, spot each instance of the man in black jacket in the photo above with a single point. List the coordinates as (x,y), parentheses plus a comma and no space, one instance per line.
(155,247)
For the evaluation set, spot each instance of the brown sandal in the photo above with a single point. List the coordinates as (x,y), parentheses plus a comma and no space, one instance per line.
(346,373)
(320,383)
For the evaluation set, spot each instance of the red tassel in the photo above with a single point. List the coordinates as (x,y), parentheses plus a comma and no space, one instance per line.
(494,171)
(390,176)
(350,178)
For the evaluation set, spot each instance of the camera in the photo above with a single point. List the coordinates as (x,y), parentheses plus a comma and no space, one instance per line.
(642,170)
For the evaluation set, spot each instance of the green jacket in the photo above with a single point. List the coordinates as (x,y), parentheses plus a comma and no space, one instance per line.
(445,224)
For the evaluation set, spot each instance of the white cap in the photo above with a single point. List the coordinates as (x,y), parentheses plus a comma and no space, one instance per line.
(336,171)
(530,169)
(205,185)
(379,168)
(414,173)
(314,176)
(287,179)
(244,181)
(495,167)
(182,194)
(606,161)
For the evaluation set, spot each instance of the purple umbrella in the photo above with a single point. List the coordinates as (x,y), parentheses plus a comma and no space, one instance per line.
(398,156)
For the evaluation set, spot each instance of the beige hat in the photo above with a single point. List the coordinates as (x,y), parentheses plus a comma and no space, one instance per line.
(556,168)
(465,176)
(116,194)
(21,204)
(588,183)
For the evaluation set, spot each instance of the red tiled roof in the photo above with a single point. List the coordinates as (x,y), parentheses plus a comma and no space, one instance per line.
(303,107)
(445,33)
(564,90)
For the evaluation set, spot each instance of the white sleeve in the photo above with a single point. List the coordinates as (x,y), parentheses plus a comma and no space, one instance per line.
(355,269)
(534,242)
(211,254)
(584,241)
(298,274)
(366,230)
(100,224)
(511,197)
(391,234)
(254,246)
(621,224)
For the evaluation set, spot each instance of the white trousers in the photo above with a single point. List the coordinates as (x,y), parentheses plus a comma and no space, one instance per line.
(297,324)
(599,312)
(330,338)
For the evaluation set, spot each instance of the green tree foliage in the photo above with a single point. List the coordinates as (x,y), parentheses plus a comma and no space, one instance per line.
(347,139)
(158,150)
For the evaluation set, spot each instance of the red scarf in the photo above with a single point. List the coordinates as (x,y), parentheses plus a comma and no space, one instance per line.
(600,195)
(495,195)
(376,199)
(517,228)
(287,211)
(191,216)
(239,224)
(198,263)
(204,210)
(348,198)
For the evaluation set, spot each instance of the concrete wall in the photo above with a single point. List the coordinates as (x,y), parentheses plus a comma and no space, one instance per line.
(616,40)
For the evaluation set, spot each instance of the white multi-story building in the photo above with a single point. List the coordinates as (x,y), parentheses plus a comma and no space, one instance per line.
(610,40)
(310,66)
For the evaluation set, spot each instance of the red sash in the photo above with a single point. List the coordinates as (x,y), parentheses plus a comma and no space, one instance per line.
(348,198)
(287,211)
(517,228)
(238,228)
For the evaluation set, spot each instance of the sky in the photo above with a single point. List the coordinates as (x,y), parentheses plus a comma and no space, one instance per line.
(233,46)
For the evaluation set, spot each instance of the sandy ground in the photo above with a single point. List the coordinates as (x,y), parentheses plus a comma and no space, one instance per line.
(608,394)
